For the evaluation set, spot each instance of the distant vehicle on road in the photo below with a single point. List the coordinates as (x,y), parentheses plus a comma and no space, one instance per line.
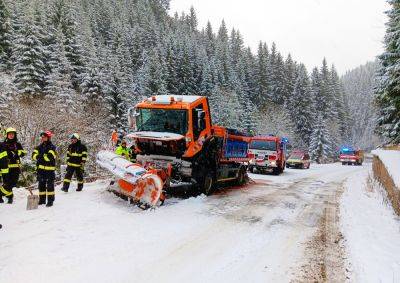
(350,156)
(298,159)
(267,153)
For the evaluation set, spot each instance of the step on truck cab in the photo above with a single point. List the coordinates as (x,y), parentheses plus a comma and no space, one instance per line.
(350,156)
(176,133)
(267,153)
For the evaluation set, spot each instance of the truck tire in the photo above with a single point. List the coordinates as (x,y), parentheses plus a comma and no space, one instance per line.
(251,169)
(208,184)
(276,171)
(241,179)
(343,163)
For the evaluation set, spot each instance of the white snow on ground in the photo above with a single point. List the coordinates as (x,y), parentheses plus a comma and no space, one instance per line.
(391,159)
(250,234)
(372,232)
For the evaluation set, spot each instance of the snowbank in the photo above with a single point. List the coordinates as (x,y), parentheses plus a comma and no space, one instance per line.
(372,231)
(391,159)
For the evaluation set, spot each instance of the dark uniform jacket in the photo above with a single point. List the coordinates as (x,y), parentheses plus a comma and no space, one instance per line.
(45,156)
(3,160)
(76,154)
(14,152)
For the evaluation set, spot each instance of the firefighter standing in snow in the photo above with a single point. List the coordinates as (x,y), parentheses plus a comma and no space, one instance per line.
(45,157)
(76,158)
(12,152)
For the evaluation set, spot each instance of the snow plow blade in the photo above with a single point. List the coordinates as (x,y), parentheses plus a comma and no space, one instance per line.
(132,180)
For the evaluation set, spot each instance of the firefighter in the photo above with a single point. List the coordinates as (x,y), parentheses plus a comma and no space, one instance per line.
(123,150)
(76,159)
(114,138)
(133,153)
(121,135)
(45,157)
(14,153)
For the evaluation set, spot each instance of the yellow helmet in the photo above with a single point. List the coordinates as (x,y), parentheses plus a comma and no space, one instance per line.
(11,130)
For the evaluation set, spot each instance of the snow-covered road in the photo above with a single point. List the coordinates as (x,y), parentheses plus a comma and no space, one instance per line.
(258,233)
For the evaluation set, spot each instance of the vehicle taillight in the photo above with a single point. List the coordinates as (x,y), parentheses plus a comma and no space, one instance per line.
(271,157)
(250,154)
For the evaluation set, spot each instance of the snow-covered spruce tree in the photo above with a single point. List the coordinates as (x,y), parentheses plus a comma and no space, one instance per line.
(341,109)
(58,82)
(289,78)
(186,77)
(320,143)
(276,76)
(28,61)
(300,106)
(73,44)
(5,38)
(261,74)
(91,85)
(388,91)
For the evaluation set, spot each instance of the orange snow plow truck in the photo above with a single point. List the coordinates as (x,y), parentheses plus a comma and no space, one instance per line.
(175,139)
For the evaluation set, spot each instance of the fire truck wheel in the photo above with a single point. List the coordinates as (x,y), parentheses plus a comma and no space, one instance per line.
(276,171)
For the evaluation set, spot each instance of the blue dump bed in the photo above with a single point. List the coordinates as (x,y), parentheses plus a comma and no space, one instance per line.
(236,145)
(236,149)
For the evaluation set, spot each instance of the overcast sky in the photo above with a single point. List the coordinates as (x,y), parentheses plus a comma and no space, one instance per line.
(347,32)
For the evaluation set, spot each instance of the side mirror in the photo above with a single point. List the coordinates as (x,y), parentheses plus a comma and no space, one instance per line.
(132,115)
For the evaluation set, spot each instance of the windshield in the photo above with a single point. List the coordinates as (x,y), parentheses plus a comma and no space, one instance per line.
(296,156)
(263,145)
(348,152)
(162,120)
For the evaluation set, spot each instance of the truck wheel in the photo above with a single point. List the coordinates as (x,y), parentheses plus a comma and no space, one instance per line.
(276,171)
(343,163)
(241,179)
(251,169)
(208,184)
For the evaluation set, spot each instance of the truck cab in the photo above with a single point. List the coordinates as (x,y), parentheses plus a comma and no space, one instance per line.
(350,156)
(171,125)
(267,153)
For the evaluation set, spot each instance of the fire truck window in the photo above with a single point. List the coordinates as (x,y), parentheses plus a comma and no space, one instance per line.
(199,123)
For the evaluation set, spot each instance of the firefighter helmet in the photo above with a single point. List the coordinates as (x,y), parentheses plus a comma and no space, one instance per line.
(74,136)
(48,134)
(11,130)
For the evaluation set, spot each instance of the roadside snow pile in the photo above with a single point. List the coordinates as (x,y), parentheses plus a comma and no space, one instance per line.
(371,230)
(391,159)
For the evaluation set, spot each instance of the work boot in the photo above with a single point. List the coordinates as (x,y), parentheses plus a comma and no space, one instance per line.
(49,203)
(64,189)
(79,189)
(10,200)
(42,201)
(1,199)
